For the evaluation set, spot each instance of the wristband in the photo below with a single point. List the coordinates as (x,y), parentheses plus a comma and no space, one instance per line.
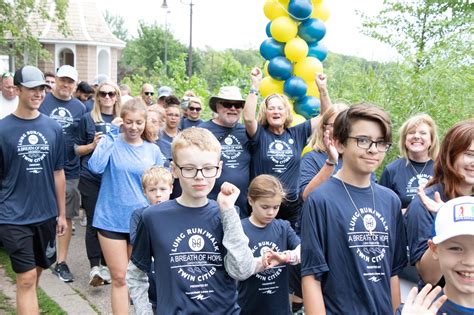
(253,91)
(330,163)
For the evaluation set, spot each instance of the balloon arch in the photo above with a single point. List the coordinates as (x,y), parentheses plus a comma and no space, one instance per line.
(294,52)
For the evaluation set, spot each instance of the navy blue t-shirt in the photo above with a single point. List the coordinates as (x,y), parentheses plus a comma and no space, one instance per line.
(188,123)
(312,163)
(280,155)
(67,114)
(89,104)
(267,292)
(404,179)
(353,252)
(235,156)
(419,223)
(164,142)
(85,135)
(186,244)
(30,152)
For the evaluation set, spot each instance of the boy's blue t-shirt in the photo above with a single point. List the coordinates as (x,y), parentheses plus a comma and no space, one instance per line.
(267,292)
(280,155)
(186,244)
(30,152)
(85,136)
(67,114)
(353,253)
(235,156)
(122,166)
(405,179)
(312,163)
(134,221)
(186,123)
(419,223)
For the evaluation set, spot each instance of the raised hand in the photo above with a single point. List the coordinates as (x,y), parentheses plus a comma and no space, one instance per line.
(424,302)
(331,150)
(430,204)
(256,77)
(227,196)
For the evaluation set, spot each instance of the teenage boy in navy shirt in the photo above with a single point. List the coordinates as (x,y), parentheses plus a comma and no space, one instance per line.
(353,238)
(198,244)
(32,187)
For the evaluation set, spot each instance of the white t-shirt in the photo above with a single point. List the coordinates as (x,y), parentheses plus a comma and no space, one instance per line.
(7,106)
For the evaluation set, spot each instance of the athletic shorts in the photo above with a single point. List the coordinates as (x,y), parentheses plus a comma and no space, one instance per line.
(30,246)
(115,235)
(73,198)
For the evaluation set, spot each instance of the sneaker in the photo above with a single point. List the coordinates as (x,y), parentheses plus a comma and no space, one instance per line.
(95,279)
(73,228)
(62,271)
(105,274)
(83,221)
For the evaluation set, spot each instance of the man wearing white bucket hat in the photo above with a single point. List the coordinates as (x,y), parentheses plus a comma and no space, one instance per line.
(228,105)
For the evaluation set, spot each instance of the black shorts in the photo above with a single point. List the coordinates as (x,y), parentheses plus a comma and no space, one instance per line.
(115,235)
(30,246)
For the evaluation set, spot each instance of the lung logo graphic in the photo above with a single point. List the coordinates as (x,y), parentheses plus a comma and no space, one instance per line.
(33,148)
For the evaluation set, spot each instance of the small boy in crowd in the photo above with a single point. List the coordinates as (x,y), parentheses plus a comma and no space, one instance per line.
(157,183)
(198,245)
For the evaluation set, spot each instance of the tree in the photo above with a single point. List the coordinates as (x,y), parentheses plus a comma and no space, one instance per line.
(421,30)
(117,25)
(16,36)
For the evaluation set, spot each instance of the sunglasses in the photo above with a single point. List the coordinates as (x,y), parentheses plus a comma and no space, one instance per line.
(149,93)
(230,105)
(104,94)
(7,74)
(194,109)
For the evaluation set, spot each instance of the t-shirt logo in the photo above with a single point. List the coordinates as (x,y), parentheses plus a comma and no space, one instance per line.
(464,212)
(279,152)
(268,277)
(231,149)
(63,116)
(33,148)
(415,182)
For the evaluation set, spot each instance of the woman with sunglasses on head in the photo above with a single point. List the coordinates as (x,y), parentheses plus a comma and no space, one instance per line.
(277,147)
(193,113)
(93,126)
(122,156)
(419,146)
(453,176)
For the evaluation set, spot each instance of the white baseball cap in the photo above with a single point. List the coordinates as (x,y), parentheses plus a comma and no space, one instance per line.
(68,72)
(454,218)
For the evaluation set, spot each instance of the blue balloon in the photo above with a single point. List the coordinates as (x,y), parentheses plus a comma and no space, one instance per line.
(318,50)
(308,107)
(300,10)
(271,48)
(295,87)
(312,30)
(280,68)
(267,29)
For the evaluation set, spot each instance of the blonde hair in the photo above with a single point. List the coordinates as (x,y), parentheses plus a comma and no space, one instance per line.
(136,105)
(155,175)
(413,123)
(96,112)
(262,114)
(316,139)
(265,186)
(196,100)
(198,137)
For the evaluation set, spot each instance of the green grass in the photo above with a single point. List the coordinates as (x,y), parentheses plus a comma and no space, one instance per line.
(6,305)
(46,305)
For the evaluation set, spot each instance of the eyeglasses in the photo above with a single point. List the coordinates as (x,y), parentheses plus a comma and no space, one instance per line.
(194,109)
(104,94)
(149,93)
(230,105)
(7,74)
(366,143)
(191,172)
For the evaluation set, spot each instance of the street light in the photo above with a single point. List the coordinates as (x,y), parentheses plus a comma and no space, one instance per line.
(165,6)
(190,50)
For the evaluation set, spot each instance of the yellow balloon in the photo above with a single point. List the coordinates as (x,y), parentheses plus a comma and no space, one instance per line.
(312,89)
(297,119)
(307,68)
(265,68)
(270,86)
(316,2)
(284,2)
(320,11)
(283,29)
(296,49)
(273,9)
(306,149)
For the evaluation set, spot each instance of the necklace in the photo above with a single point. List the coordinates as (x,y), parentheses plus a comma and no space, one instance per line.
(421,172)
(353,203)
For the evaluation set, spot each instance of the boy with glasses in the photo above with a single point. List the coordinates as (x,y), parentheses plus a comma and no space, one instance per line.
(32,206)
(8,96)
(198,244)
(353,237)
(193,111)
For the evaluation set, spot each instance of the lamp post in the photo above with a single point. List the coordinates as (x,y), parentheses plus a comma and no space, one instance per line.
(165,6)
(190,49)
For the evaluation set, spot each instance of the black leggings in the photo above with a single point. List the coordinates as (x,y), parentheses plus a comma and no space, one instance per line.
(89,193)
